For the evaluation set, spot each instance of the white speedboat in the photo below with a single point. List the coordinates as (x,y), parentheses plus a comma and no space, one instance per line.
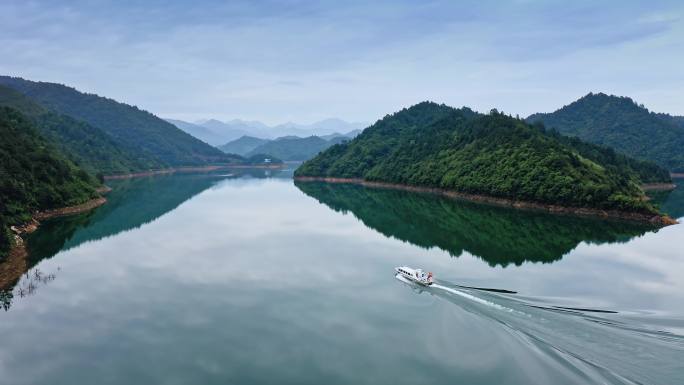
(415,275)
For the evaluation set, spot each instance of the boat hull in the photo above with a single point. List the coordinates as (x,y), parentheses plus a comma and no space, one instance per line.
(414,280)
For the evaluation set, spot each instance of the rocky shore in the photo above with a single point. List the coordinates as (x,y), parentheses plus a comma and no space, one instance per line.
(658,186)
(655,220)
(14,264)
(70,210)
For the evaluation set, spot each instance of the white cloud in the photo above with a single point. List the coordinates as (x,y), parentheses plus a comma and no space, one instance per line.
(306,62)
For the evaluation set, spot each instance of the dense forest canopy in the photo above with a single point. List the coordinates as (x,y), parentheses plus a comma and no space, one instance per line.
(33,175)
(645,171)
(135,131)
(496,155)
(622,124)
(87,146)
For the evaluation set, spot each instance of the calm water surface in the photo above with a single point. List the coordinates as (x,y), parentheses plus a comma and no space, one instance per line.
(237,278)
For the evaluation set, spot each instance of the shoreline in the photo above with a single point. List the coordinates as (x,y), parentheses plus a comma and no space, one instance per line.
(658,186)
(70,210)
(677,175)
(189,169)
(656,220)
(14,264)
(34,222)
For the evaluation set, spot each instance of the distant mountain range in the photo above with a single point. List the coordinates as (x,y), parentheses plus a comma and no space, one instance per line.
(624,125)
(291,148)
(218,133)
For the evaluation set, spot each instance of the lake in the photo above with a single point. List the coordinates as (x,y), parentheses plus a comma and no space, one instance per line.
(249,277)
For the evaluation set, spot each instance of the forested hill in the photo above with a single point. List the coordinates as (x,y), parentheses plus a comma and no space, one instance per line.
(243,145)
(33,175)
(87,146)
(295,148)
(134,130)
(622,124)
(289,148)
(495,155)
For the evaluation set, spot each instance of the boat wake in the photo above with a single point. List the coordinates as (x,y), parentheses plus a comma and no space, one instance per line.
(471,297)
(588,345)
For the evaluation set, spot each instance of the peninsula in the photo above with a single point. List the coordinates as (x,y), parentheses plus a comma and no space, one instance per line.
(493,158)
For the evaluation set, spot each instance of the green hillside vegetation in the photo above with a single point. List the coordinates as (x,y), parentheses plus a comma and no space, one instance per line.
(33,175)
(500,236)
(85,145)
(242,145)
(295,148)
(287,148)
(135,131)
(677,120)
(622,124)
(495,155)
(644,171)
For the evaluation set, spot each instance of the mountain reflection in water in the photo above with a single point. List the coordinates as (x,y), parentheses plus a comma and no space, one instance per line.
(131,204)
(180,279)
(500,236)
(670,201)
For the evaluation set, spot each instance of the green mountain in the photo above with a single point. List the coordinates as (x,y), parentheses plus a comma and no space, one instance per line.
(242,145)
(135,131)
(643,170)
(286,147)
(622,124)
(33,175)
(494,155)
(85,145)
(295,148)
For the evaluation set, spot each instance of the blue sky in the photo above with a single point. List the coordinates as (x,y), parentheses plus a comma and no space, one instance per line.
(302,61)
